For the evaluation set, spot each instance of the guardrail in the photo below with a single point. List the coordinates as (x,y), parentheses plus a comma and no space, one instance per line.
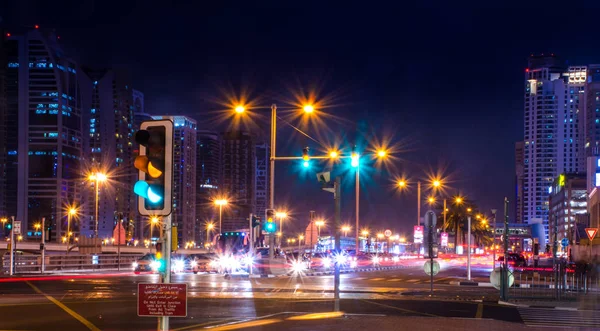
(24,264)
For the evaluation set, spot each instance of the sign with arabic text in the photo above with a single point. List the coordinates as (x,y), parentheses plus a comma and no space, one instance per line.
(162,300)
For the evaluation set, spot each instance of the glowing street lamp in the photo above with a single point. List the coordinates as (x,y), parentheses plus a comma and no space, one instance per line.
(333,154)
(98,178)
(209,227)
(381,153)
(71,211)
(365,233)
(345,229)
(281,216)
(431,200)
(402,183)
(308,109)
(221,203)
(319,224)
(240,109)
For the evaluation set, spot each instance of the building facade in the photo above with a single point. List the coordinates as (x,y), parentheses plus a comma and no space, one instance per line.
(261,183)
(554,130)
(519,180)
(568,206)
(208,153)
(43,131)
(238,178)
(108,120)
(184,177)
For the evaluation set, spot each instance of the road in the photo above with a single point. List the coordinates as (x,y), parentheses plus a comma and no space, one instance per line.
(109,303)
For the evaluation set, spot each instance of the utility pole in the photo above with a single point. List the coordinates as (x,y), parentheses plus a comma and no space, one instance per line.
(469,248)
(12,246)
(338,221)
(43,245)
(272,172)
(250,242)
(504,274)
(494,241)
(163,321)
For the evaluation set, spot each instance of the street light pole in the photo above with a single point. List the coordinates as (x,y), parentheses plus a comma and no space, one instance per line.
(494,241)
(96,216)
(220,218)
(43,268)
(68,228)
(338,220)
(469,248)
(272,172)
(357,205)
(419,203)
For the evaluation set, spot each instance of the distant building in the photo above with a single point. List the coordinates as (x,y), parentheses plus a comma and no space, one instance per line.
(554,130)
(208,153)
(592,111)
(261,182)
(108,116)
(238,176)
(42,134)
(184,177)
(3,127)
(519,180)
(568,206)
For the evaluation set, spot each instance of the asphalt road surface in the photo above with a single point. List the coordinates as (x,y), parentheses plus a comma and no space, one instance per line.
(386,298)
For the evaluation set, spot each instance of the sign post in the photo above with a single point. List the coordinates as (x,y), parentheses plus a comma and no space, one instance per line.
(591,233)
(12,246)
(162,300)
(430,223)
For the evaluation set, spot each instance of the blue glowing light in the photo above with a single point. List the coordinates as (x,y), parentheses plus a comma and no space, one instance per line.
(306,164)
(153,197)
(141,188)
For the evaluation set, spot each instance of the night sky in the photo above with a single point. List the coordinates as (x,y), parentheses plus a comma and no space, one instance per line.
(444,83)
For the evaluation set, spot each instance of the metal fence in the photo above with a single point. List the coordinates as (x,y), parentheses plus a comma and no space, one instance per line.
(24,264)
(556,283)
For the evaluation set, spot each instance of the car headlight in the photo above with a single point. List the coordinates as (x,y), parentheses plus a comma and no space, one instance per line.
(155,265)
(327,262)
(396,259)
(375,259)
(214,264)
(179,265)
(194,264)
(248,260)
(353,264)
(340,259)
(134,265)
(298,267)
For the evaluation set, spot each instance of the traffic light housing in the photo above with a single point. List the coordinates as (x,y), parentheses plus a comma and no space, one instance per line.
(155,165)
(255,221)
(270,226)
(305,155)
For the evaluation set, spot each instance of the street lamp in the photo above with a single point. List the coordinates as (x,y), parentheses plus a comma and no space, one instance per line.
(221,203)
(70,213)
(346,229)
(281,216)
(308,109)
(240,109)
(319,224)
(98,178)
(209,227)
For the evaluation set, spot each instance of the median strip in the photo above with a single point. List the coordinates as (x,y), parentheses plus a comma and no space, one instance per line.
(78,317)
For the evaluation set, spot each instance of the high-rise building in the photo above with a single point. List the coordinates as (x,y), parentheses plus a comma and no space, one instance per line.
(568,207)
(261,183)
(238,177)
(207,180)
(519,180)
(184,177)
(43,135)
(3,119)
(554,135)
(592,111)
(108,119)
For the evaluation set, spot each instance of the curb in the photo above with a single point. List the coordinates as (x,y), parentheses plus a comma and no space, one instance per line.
(348,271)
(471,284)
(537,306)
(262,276)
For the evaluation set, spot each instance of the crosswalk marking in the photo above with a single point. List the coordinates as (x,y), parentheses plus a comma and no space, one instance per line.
(394,280)
(359,278)
(412,280)
(377,279)
(566,318)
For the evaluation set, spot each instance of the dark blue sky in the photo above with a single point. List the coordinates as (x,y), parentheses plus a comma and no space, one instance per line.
(446,82)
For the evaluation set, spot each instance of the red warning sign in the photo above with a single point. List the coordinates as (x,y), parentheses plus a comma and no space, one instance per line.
(591,232)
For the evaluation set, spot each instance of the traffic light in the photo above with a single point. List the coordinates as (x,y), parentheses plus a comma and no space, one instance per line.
(255,221)
(270,226)
(159,262)
(155,165)
(305,157)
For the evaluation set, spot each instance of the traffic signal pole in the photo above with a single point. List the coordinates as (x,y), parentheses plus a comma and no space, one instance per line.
(12,246)
(272,172)
(163,321)
(338,222)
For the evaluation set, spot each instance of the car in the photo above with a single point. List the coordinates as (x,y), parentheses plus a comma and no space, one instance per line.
(515,260)
(204,263)
(320,261)
(144,263)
